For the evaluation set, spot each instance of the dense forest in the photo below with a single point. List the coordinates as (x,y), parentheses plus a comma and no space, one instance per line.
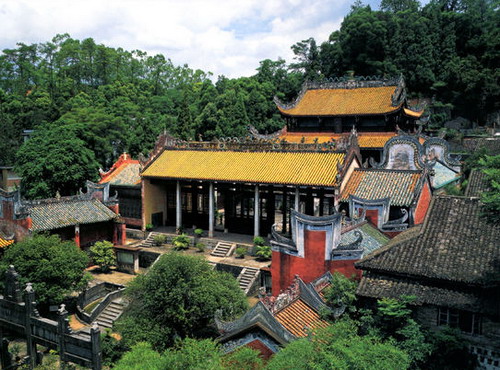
(88,102)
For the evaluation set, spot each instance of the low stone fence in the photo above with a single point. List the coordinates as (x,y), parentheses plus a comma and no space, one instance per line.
(108,291)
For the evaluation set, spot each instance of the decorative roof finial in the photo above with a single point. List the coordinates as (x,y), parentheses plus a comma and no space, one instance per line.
(58,195)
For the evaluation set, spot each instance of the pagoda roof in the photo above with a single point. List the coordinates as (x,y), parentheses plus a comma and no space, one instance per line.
(347,97)
(305,168)
(399,185)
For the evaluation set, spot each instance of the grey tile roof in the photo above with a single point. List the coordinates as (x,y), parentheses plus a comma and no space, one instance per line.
(54,214)
(478,183)
(455,244)
(372,240)
(373,285)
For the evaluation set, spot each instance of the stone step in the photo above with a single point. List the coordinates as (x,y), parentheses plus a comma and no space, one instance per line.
(223,249)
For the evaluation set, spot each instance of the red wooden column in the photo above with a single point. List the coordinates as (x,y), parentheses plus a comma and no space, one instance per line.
(77,235)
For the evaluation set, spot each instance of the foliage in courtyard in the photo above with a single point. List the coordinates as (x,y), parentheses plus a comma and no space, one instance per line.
(264,252)
(181,242)
(159,239)
(178,298)
(103,255)
(55,268)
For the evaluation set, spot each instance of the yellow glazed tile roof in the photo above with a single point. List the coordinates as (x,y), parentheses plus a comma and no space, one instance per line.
(343,102)
(365,139)
(5,242)
(293,168)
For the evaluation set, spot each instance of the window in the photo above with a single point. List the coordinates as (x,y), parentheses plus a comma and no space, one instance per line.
(467,322)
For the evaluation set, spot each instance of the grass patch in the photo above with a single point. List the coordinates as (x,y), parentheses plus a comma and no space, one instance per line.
(90,307)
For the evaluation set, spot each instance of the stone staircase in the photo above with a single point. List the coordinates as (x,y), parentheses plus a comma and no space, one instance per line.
(111,313)
(223,249)
(149,241)
(247,278)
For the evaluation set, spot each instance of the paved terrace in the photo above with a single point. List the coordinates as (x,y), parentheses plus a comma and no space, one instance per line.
(219,236)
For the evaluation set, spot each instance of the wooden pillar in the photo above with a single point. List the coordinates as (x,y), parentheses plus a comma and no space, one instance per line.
(321,200)
(178,206)
(77,235)
(309,203)
(256,213)
(211,212)
(297,199)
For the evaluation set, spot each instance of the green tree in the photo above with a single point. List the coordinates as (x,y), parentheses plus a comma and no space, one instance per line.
(54,160)
(103,255)
(491,198)
(341,292)
(178,298)
(339,347)
(140,357)
(56,268)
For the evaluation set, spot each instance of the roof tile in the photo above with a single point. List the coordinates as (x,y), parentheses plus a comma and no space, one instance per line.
(294,168)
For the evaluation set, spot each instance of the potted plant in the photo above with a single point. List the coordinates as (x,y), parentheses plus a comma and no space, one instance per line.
(149,227)
(264,253)
(200,246)
(240,252)
(181,242)
(198,233)
(159,239)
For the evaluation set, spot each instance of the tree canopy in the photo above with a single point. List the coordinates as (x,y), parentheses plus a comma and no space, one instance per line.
(56,268)
(109,100)
(179,297)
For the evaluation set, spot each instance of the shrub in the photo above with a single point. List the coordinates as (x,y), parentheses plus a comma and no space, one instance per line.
(259,241)
(198,232)
(181,242)
(103,255)
(159,239)
(263,253)
(200,246)
(240,252)
(149,227)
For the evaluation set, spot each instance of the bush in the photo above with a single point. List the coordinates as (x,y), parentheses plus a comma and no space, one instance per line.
(198,232)
(200,246)
(181,242)
(259,241)
(103,255)
(240,252)
(159,239)
(149,227)
(55,268)
(264,252)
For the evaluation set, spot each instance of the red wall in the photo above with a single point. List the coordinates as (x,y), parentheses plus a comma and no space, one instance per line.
(423,204)
(266,353)
(284,267)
